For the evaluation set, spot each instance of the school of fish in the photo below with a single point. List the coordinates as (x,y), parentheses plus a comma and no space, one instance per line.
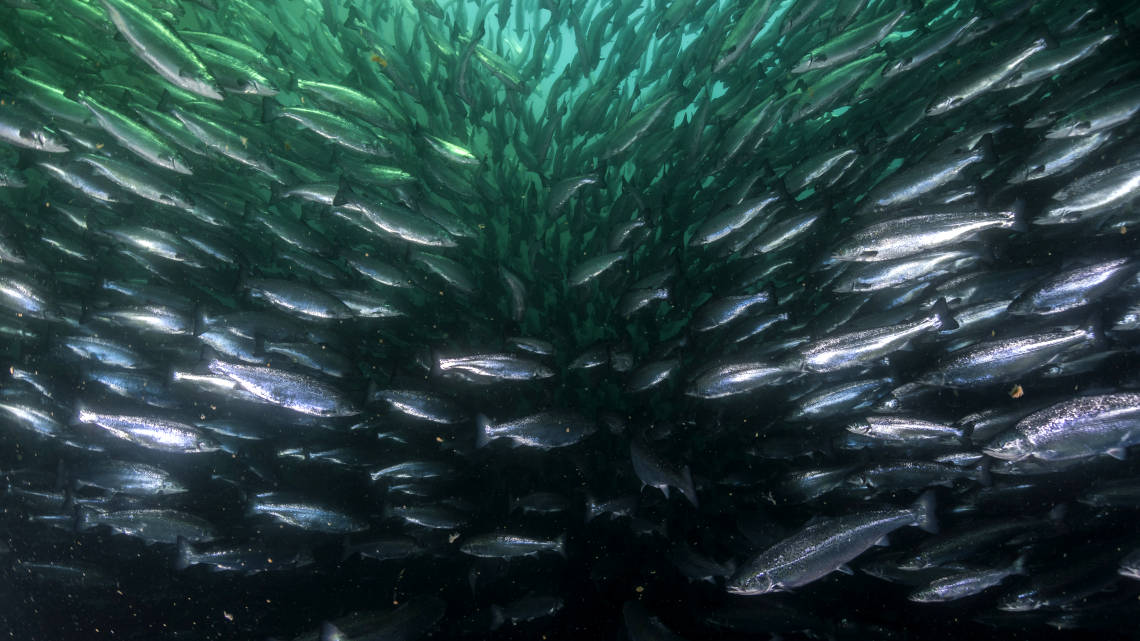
(567,319)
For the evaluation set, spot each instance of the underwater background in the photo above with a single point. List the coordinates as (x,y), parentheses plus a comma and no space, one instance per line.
(692,319)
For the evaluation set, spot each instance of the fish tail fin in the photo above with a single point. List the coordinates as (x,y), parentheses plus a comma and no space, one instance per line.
(276,47)
(241,284)
(84,518)
(1019,564)
(25,158)
(1094,327)
(781,189)
(354,16)
(687,487)
(330,632)
(346,552)
(482,430)
(182,558)
(986,146)
(497,618)
(925,517)
(1020,223)
(82,414)
(61,477)
(982,473)
(593,510)
(259,346)
(561,545)
(270,109)
(1056,518)
(945,318)
(165,102)
(84,310)
(344,193)
(433,356)
(201,319)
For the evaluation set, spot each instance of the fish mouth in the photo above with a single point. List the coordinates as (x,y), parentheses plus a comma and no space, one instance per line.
(743,590)
(1002,454)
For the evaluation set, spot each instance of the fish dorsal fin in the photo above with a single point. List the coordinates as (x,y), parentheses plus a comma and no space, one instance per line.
(815,520)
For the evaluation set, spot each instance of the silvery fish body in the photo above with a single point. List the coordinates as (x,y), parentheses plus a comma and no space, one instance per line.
(296,392)
(855,349)
(151,432)
(1006,360)
(823,546)
(1075,429)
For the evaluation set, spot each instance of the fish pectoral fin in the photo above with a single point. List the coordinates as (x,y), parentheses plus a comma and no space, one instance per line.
(884,541)
(330,632)
(846,569)
(1117,453)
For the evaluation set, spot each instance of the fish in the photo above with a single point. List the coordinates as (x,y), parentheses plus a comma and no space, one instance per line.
(1005,360)
(508,546)
(492,367)
(150,525)
(161,48)
(824,546)
(909,235)
(967,583)
(296,392)
(151,432)
(854,349)
(1073,429)
(304,515)
(545,430)
(128,477)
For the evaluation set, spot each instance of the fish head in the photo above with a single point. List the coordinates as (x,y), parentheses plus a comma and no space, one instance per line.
(1009,447)
(812,60)
(941,105)
(40,140)
(206,444)
(1070,129)
(203,85)
(252,87)
(928,595)
(751,584)
(176,164)
(170,486)
(860,480)
(1019,602)
(914,564)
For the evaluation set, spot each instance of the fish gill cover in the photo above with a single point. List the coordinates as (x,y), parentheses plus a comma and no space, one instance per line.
(569,319)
